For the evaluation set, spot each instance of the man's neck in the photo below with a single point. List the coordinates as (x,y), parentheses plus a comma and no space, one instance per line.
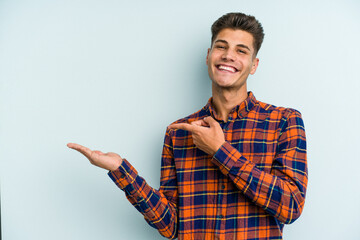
(224,100)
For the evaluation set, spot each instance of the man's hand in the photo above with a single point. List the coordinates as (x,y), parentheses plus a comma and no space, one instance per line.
(110,161)
(206,133)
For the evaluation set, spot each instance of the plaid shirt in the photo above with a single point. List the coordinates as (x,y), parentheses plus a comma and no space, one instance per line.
(251,187)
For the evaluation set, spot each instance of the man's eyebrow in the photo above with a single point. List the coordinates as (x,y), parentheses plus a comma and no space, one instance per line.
(220,40)
(239,45)
(243,46)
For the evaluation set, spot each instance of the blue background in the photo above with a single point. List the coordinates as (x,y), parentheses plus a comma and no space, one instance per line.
(111,75)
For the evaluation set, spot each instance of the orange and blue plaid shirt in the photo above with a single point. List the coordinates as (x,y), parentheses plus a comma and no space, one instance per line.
(253,185)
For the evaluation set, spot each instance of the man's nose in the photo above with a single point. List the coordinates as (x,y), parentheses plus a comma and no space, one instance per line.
(229,55)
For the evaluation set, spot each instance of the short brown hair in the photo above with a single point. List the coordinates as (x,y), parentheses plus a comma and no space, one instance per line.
(239,21)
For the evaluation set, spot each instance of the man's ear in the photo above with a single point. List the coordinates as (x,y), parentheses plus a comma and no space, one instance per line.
(207,56)
(254,66)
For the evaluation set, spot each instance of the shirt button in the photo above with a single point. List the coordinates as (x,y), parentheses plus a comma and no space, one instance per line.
(122,176)
(222,186)
(221,216)
(138,198)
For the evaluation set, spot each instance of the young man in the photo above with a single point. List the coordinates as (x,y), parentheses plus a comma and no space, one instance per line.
(236,169)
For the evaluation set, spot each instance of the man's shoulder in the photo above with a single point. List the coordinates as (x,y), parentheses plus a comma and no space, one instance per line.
(269,110)
(259,110)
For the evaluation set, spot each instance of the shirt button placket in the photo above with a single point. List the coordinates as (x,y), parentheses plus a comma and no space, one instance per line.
(221,211)
(218,211)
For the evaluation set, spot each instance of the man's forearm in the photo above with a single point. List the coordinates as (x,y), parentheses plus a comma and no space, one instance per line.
(279,196)
(281,190)
(157,210)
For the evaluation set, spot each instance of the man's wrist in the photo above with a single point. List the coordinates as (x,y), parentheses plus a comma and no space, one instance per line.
(116,165)
(217,149)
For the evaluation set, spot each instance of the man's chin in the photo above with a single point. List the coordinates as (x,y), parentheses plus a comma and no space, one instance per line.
(227,85)
(222,85)
(224,82)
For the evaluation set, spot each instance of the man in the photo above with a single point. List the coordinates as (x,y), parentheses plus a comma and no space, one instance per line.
(236,169)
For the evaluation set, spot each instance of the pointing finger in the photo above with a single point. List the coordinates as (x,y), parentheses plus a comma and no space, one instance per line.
(183,126)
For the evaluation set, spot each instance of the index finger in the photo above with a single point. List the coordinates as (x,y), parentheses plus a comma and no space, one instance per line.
(84,150)
(183,126)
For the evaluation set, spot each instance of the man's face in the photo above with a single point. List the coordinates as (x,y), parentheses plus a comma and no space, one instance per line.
(231,59)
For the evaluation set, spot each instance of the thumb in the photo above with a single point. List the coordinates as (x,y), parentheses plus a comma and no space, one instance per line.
(200,123)
(98,152)
(212,122)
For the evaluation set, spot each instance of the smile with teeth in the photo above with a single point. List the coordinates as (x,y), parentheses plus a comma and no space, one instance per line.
(227,68)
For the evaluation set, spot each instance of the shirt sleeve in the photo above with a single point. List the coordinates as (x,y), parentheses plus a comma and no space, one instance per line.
(282,191)
(159,207)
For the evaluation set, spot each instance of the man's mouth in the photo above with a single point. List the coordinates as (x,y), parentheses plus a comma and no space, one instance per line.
(226,68)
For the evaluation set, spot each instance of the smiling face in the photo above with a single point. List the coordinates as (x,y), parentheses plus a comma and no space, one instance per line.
(231,59)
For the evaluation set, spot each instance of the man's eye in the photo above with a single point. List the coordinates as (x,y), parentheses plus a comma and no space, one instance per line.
(241,51)
(220,47)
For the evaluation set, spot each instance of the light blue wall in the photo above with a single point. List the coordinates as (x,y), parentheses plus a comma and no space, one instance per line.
(113,74)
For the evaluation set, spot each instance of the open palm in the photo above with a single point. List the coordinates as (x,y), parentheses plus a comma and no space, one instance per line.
(110,161)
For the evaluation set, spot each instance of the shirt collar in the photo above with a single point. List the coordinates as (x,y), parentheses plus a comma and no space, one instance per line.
(239,111)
